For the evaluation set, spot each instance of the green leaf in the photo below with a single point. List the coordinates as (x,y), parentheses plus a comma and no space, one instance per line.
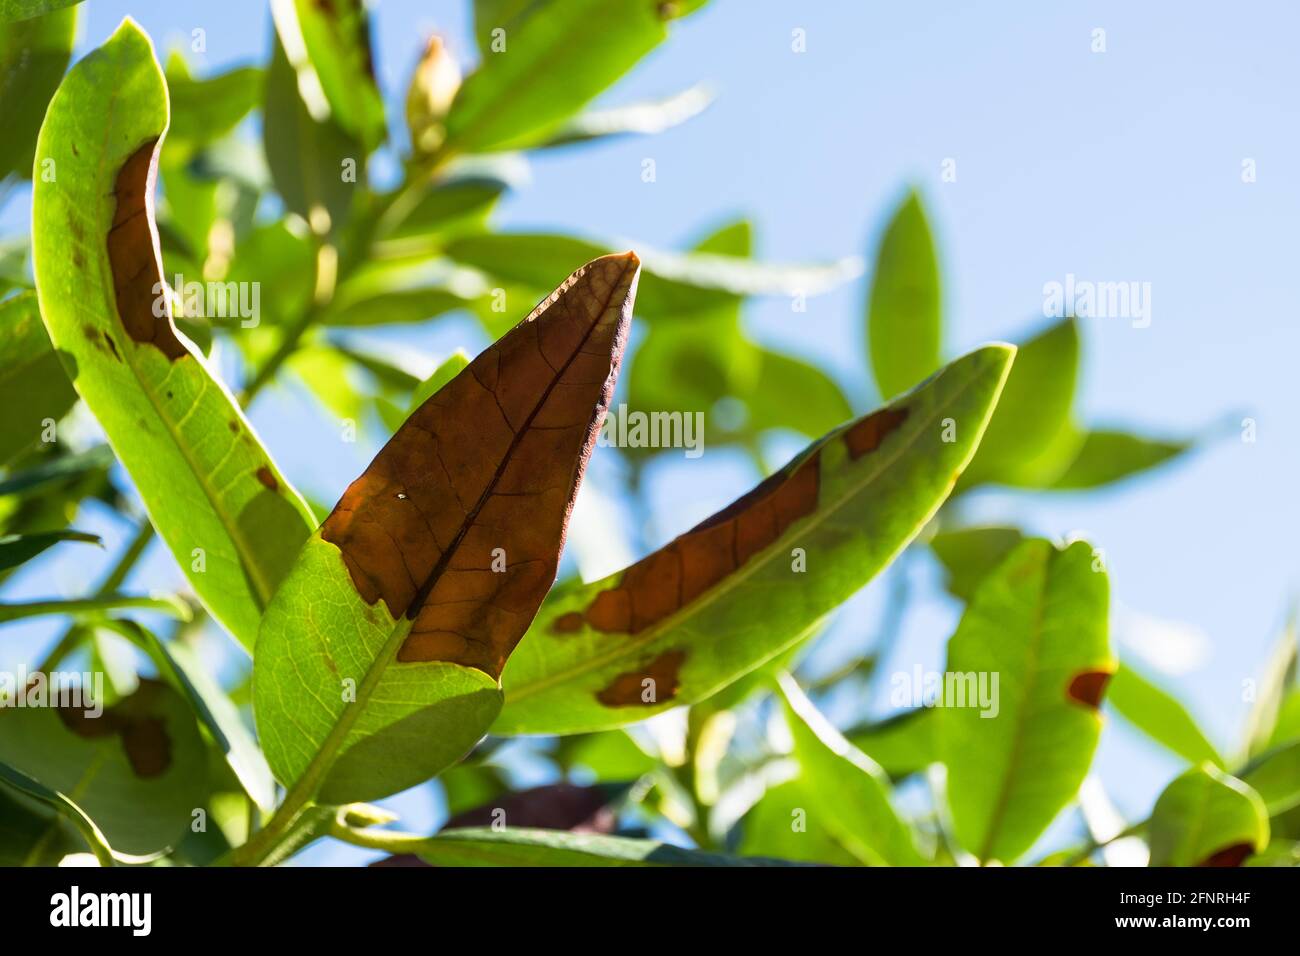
(1160,716)
(846,788)
(611,756)
(33,387)
(904,317)
(181,666)
(16,10)
(1275,775)
(46,488)
(779,825)
(33,832)
(849,503)
(1265,725)
(903,744)
(458,202)
(518,97)
(33,55)
(308,154)
(790,393)
(1110,456)
(1036,624)
(13,781)
(519,846)
(328,45)
(385,293)
(1287,727)
(673,285)
(691,365)
(203,111)
(1207,818)
(282,260)
(490,15)
(138,769)
(229,517)
(1030,440)
(448,369)
(377,665)
(654,116)
(968,554)
(16,549)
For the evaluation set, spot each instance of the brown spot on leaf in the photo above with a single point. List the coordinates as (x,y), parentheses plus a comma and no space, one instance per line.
(492,460)
(866,435)
(630,690)
(1088,687)
(233,426)
(567,623)
(134,256)
(147,745)
(144,737)
(267,479)
(662,583)
(1234,855)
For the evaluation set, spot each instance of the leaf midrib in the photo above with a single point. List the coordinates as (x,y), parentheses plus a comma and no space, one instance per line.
(1002,801)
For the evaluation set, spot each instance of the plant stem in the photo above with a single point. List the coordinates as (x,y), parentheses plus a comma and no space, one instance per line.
(112,581)
(373,838)
(109,602)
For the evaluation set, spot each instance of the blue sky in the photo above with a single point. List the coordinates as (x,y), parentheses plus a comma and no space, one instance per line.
(1115,166)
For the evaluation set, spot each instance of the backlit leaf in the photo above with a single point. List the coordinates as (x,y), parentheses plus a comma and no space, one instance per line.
(904,318)
(518,97)
(674,284)
(307,153)
(1031,440)
(33,55)
(903,744)
(34,390)
(1275,775)
(1160,716)
(204,110)
(968,554)
(752,580)
(1038,624)
(1207,818)
(845,788)
(641,118)
(328,46)
(227,514)
(15,10)
(1109,456)
(780,825)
